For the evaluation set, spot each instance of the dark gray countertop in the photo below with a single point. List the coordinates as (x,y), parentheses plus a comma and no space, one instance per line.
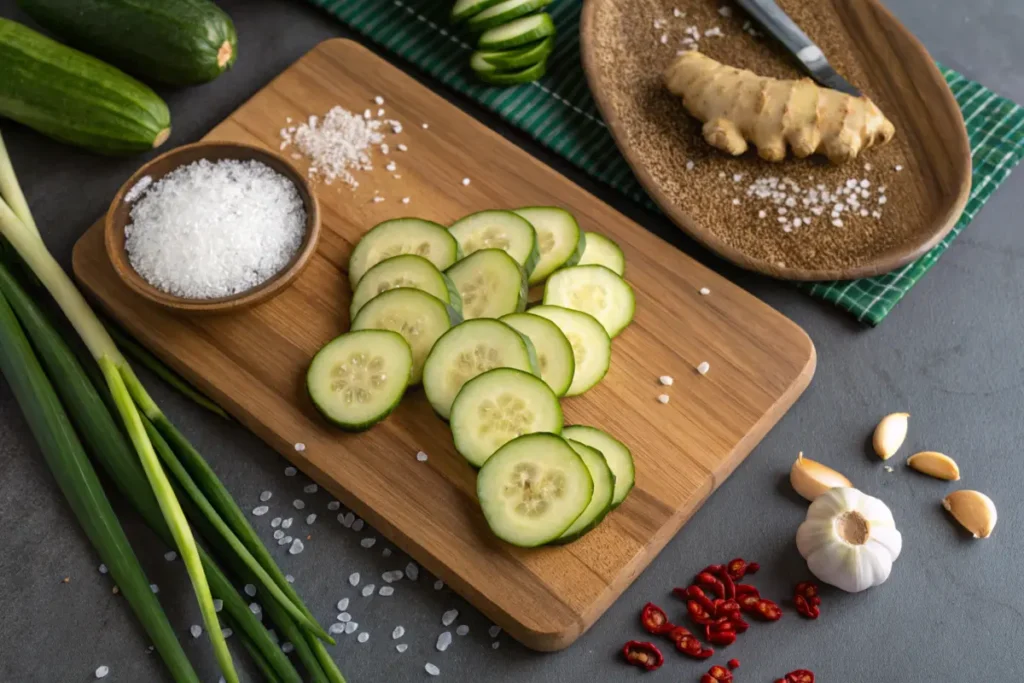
(950,354)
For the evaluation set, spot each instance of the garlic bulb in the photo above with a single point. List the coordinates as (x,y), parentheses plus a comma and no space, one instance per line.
(849,539)
(811,479)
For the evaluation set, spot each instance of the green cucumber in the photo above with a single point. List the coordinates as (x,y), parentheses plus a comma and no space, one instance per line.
(490,284)
(497,406)
(72,97)
(595,290)
(405,270)
(554,352)
(533,488)
(464,9)
(403,236)
(504,12)
(470,349)
(357,379)
(619,458)
(495,229)
(520,57)
(601,502)
(601,251)
(591,345)
(517,32)
(506,78)
(420,318)
(178,42)
(559,239)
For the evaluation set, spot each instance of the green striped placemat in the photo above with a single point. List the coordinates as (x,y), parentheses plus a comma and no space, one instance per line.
(559,112)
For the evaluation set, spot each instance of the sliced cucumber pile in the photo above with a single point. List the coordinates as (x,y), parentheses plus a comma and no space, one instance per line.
(357,379)
(403,236)
(421,319)
(498,375)
(407,270)
(468,350)
(533,488)
(595,290)
(490,284)
(496,407)
(591,345)
(515,39)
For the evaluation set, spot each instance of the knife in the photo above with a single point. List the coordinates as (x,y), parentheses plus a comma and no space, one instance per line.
(777,23)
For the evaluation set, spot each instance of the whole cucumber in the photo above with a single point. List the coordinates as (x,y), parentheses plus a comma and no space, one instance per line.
(178,42)
(75,98)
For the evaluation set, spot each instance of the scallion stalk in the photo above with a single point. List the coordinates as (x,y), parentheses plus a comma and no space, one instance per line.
(10,190)
(77,479)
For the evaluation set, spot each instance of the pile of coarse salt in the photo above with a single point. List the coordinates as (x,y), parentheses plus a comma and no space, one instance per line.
(207,230)
(340,142)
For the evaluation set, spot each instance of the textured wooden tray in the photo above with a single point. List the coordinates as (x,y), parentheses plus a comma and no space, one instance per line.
(624,57)
(253,362)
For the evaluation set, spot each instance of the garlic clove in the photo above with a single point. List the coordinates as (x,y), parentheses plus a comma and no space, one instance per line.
(974,510)
(889,434)
(935,465)
(811,479)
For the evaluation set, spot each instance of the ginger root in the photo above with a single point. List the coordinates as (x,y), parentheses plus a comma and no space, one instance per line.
(737,106)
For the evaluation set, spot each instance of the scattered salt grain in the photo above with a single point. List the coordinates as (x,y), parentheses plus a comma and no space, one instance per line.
(462,630)
(212,229)
(336,629)
(353,579)
(368,590)
(287,523)
(405,200)
(337,144)
(421,456)
(170,555)
(392,576)
(761,214)
(689,165)
(425,126)
(493,631)
(226,632)
(102,569)
(677,13)
(495,645)
(378,100)
(363,637)
(664,39)
(275,522)
(386,552)
(342,604)
(368,542)
(898,168)
(386,591)
(412,571)
(138,189)
(287,647)
(346,519)
(391,166)
(367,114)
(296,547)
(888,468)
(310,488)
(705,291)
(289,578)
(443,641)
(155,588)
(883,199)
(398,632)
(725,11)
(401,647)
(333,505)
(250,590)
(278,535)
(703,368)
(310,518)
(291,471)
(449,617)
(438,585)
(298,503)
(218,604)
(402,148)
(431,669)
(299,447)
(358,525)
(351,627)
(465,181)
(260,510)
(344,617)
(285,541)
(736,201)
(102,671)
(663,398)
(196,630)
(666,380)
(380,112)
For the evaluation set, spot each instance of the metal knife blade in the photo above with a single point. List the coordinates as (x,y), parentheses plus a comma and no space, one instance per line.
(777,23)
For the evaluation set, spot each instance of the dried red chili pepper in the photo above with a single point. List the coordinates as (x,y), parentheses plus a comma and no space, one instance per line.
(733,663)
(722,624)
(800,676)
(719,673)
(713,568)
(746,589)
(710,582)
(721,638)
(644,655)
(753,567)
(654,620)
(691,647)
(698,613)
(808,589)
(697,593)
(768,610)
(706,678)
(728,585)
(738,624)
(748,603)
(726,608)
(678,632)
(737,568)
(805,609)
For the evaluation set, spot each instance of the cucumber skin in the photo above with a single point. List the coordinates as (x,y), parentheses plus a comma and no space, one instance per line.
(520,57)
(474,23)
(547,28)
(509,78)
(481,6)
(575,429)
(177,42)
(74,98)
(563,540)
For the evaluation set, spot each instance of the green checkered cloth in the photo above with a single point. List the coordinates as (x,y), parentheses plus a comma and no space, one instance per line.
(559,112)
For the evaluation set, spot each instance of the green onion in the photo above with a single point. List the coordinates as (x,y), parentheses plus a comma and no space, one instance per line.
(81,487)
(10,190)
(85,400)
(115,369)
(148,360)
(269,675)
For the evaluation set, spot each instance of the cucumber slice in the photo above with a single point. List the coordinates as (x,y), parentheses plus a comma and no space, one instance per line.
(619,459)
(559,239)
(407,270)
(490,283)
(402,236)
(468,350)
(591,345)
(496,407)
(602,251)
(533,488)
(554,352)
(595,290)
(518,32)
(464,9)
(519,57)
(601,502)
(421,319)
(504,78)
(357,379)
(504,12)
(495,229)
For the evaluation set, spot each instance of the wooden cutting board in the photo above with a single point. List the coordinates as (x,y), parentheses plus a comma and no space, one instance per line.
(253,363)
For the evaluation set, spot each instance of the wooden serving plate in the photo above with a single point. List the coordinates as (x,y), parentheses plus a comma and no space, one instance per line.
(253,362)
(624,56)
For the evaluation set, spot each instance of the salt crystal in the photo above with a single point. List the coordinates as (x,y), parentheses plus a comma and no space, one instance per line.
(102,569)
(368,542)
(336,629)
(218,604)
(155,588)
(367,114)
(386,591)
(265,496)
(838,222)
(363,637)
(664,39)
(226,632)
(333,505)
(250,590)
(412,571)
(883,199)
(462,630)
(761,214)
(287,647)
(725,11)
(401,647)
(358,525)
(663,398)
(346,519)
(391,166)
(405,200)
(170,555)
(689,165)
(392,576)
(344,617)
(666,380)
(368,590)
(421,456)
(285,540)
(351,627)
(298,503)
(102,671)
(386,552)
(289,578)
(431,669)
(493,631)
(296,547)
(735,201)
(443,641)
(260,510)
(378,100)
(342,604)
(465,181)
(438,585)
(898,167)
(196,630)
(403,148)
(138,189)
(495,645)
(426,125)
(310,518)
(276,522)
(704,291)
(287,524)
(310,488)
(290,471)
(380,112)
(450,616)
(353,579)
(703,368)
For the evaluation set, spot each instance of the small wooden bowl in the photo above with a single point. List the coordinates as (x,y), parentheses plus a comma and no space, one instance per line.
(118,217)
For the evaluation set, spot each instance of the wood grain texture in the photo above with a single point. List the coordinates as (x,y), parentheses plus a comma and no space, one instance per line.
(624,58)
(253,363)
